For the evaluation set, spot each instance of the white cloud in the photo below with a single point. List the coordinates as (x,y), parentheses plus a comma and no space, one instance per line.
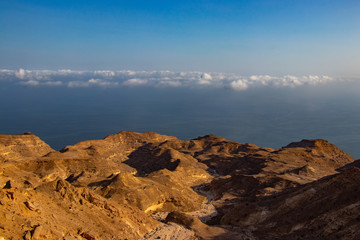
(54,83)
(204,82)
(206,76)
(239,85)
(135,82)
(259,77)
(20,74)
(108,78)
(65,71)
(6,71)
(105,73)
(30,83)
(170,83)
(101,83)
(91,83)
(75,84)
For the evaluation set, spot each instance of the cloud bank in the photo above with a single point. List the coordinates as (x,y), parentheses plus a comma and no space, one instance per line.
(83,79)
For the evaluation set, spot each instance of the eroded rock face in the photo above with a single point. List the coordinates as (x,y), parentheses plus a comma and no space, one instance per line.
(113,188)
(325,209)
(18,147)
(57,209)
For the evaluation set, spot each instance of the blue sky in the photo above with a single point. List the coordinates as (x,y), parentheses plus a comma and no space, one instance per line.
(275,37)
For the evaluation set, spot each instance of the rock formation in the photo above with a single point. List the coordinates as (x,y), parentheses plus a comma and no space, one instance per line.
(150,186)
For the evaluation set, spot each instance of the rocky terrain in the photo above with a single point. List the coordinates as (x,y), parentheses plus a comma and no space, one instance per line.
(150,186)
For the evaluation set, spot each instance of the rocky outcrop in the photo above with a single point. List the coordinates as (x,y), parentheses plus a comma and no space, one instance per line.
(325,209)
(139,185)
(21,146)
(57,209)
(114,147)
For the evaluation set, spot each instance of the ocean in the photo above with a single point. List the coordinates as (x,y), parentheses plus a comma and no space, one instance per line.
(266,116)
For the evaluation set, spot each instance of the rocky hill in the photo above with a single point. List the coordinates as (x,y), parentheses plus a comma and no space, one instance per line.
(150,186)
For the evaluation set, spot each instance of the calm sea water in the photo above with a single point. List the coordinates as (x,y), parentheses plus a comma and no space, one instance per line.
(264,116)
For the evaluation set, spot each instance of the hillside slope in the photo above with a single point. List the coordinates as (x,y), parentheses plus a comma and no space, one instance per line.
(151,186)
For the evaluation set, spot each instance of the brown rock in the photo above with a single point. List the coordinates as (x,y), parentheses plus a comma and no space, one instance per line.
(18,147)
(111,187)
(31,206)
(87,236)
(38,233)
